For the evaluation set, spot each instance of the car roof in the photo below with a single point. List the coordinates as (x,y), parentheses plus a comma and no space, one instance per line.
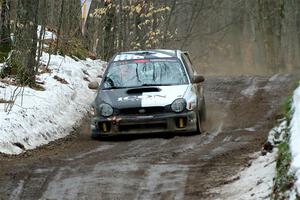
(146,54)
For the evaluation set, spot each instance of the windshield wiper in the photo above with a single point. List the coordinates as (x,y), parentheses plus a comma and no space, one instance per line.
(147,84)
(133,87)
(114,87)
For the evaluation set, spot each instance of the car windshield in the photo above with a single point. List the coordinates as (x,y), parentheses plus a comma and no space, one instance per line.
(151,72)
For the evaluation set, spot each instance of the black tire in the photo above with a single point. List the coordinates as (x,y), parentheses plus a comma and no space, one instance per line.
(95,135)
(200,128)
(201,118)
(203,111)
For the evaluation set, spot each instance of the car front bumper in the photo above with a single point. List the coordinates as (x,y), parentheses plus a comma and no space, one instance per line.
(142,124)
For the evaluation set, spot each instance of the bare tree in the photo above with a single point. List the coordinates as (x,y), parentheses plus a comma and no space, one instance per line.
(26,41)
(124,25)
(245,36)
(60,25)
(4,29)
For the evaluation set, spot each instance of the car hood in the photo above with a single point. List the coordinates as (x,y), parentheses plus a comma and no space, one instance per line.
(142,97)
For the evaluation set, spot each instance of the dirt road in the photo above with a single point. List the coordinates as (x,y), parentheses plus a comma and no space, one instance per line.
(241,112)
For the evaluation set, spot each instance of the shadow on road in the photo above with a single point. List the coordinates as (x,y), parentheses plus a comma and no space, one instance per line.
(124,138)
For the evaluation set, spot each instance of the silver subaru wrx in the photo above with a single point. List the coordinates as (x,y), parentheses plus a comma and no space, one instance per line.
(151,91)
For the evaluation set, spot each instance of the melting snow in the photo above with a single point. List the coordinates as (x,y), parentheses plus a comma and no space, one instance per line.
(39,117)
(251,129)
(295,137)
(97,150)
(278,133)
(163,178)
(17,191)
(254,182)
(251,90)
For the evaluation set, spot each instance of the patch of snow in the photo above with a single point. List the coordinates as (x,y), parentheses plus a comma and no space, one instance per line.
(162,178)
(279,77)
(295,137)
(278,133)
(227,139)
(254,182)
(69,183)
(251,90)
(186,147)
(214,133)
(250,129)
(17,191)
(97,150)
(293,194)
(39,117)
(275,78)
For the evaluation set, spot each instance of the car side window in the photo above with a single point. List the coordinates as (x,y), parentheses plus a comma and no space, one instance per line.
(188,65)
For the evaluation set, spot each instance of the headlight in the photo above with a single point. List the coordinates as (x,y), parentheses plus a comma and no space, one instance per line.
(105,110)
(178,105)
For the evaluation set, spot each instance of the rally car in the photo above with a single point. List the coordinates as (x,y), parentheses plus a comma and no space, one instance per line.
(153,91)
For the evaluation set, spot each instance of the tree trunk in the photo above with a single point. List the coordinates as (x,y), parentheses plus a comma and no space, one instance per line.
(60,25)
(26,41)
(4,22)
(108,33)
(4,29)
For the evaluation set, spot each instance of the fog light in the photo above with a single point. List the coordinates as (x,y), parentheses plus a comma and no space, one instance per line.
(181,122)
(104,126)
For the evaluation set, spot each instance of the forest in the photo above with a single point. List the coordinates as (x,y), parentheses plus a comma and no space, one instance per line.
(223,36)
(54,54)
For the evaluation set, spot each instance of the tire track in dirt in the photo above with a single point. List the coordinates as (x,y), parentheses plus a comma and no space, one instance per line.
(241,111)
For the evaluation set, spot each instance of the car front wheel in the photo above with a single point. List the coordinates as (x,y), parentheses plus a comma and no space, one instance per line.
(200,123)
(201,117)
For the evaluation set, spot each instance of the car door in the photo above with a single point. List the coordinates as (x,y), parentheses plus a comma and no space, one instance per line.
(198,86)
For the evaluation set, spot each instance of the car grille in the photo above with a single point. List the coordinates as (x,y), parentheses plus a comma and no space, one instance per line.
(142,111)
(136,127)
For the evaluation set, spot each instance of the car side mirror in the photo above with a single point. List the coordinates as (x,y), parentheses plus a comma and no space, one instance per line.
(94,85)
(198,79)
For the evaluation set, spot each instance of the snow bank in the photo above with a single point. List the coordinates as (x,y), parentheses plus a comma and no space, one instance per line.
(256,181)
(295,137)
(278,133)
(43,116)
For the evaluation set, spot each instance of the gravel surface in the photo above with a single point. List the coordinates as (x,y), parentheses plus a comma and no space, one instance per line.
(241,111)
